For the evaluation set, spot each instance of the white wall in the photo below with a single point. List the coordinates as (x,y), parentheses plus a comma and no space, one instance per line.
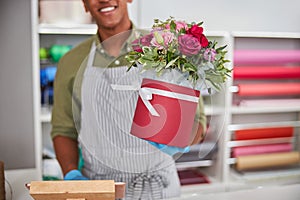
(19,127)
(227,15)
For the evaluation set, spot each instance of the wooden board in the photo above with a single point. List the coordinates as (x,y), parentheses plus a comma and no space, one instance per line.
(77,190)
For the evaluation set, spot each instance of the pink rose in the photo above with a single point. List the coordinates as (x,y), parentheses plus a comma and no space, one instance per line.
(143,41)
(157,29)
(210,54)
(179,25)
(136,46)
(162,39)
(188,45)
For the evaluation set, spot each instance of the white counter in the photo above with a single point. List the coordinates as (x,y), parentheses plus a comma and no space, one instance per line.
(282,192)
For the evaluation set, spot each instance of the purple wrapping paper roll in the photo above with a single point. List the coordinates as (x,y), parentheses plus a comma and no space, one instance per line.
(266,57)
(261,149)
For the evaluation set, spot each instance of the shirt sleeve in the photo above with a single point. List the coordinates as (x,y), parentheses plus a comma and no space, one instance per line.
(200,114)
(67,102)
(62,117)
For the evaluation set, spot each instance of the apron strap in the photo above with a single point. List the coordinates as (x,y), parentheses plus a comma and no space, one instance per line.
(91,55)
(155,182)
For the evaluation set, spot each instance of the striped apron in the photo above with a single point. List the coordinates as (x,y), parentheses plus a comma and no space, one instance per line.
(109,151)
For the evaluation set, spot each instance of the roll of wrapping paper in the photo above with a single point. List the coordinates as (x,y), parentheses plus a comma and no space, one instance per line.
(269,102)
(266,57)
(263,72)
(2,181)
(269,89)
(263,161)
(261,149)
(263,133)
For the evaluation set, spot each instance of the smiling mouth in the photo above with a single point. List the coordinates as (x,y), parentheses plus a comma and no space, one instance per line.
(107,9)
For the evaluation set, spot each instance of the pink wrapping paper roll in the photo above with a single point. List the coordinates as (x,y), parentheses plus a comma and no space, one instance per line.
(266,57)
(269,89)
(261,149)
(263,72)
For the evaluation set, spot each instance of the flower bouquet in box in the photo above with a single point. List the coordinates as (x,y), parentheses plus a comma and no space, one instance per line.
(177,61)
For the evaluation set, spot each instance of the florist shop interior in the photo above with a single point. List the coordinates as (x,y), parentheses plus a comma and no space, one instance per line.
(231,68)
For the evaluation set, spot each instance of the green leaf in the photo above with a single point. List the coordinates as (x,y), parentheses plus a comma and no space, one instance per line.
(221,48)
(200,23)
(172,62)
(146,49)
(173,26)
(158,38)
(189,67)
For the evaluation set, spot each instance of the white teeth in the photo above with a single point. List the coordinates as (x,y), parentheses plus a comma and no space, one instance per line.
(107,9)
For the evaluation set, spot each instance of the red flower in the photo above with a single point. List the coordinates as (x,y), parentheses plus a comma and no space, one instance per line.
(197,32)
(203,41)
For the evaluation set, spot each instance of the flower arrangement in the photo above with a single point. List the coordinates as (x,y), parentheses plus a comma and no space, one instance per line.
(182,46)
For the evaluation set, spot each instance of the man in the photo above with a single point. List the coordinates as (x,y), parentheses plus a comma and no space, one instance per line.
(155,176)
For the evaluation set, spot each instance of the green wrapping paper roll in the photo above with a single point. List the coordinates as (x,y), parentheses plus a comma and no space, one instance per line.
(2,181)
(263,161)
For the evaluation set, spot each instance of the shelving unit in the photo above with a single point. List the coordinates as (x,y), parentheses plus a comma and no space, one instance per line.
(256,114)
(50,34)
(80,29)
(58,34)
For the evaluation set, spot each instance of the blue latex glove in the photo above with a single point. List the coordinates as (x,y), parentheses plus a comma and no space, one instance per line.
(170,150)
(74,175)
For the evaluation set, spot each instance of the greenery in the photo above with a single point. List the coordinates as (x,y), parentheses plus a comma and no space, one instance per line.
(177,45)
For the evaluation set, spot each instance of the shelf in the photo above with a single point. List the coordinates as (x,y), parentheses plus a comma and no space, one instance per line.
(238,143)
(45,114)
(287,174)
(47,62)
(75,29)
(200,163)
(216,34)
(287,35)
(265,109)
(214,110)
(90,29)
(235,127)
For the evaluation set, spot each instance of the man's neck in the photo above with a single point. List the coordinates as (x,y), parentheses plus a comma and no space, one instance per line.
(112,40)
